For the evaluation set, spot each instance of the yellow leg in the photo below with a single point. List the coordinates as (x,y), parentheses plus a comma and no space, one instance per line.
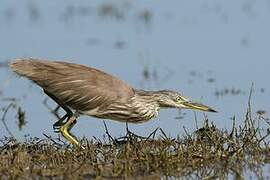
(64,130)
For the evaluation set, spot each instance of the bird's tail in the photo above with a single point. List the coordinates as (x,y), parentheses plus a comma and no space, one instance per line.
(23,67)
(33,69)
(40,71)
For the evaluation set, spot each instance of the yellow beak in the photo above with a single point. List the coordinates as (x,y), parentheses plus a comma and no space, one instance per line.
(198,106)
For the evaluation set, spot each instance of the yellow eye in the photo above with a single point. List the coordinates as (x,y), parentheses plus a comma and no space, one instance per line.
(178,99)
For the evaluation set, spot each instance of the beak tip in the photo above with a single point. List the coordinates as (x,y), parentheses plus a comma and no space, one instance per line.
(212,110)
(198,106)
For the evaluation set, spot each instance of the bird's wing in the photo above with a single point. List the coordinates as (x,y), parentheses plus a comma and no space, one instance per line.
(80,87)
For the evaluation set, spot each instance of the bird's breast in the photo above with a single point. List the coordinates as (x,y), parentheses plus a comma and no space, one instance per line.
(145,112)
(133,113)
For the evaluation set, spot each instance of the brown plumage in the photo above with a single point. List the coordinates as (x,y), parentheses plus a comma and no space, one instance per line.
(93,92)
(79,87)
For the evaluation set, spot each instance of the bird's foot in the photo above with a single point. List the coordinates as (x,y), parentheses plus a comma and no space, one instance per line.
(65,132)
(130,134)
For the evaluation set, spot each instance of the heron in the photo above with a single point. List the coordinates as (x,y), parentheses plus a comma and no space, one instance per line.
(81,90)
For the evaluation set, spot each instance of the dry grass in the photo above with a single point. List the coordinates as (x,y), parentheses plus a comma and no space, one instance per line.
(207,153)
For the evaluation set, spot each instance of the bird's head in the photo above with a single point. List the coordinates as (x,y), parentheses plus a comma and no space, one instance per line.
(167,98)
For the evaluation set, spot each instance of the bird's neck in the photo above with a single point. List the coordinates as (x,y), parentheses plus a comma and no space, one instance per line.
(146,103)
(140,108)
(149,97)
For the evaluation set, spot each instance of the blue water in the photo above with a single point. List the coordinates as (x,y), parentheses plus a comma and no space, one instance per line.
(195,47)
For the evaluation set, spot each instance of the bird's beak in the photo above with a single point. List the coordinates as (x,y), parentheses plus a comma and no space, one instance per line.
(197,106)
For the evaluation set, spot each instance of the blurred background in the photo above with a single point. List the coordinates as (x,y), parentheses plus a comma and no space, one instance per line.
(211,51)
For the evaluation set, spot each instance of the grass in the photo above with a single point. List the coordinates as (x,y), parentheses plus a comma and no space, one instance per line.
(207,153)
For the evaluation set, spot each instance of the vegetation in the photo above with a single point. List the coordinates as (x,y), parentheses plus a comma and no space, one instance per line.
(207,153)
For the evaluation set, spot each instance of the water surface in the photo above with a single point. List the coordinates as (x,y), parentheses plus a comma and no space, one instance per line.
(203,49)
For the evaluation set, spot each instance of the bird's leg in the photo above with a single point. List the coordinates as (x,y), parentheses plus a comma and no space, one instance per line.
(68,114)
(72,124)
(60,122)
(65,131)
(130,134)
(65,127)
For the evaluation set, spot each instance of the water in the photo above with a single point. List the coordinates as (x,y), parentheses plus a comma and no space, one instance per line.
(197,48)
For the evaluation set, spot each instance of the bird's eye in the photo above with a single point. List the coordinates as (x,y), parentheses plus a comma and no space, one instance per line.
(179,99)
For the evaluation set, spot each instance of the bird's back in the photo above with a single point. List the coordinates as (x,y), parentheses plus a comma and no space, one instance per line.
(80,87)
